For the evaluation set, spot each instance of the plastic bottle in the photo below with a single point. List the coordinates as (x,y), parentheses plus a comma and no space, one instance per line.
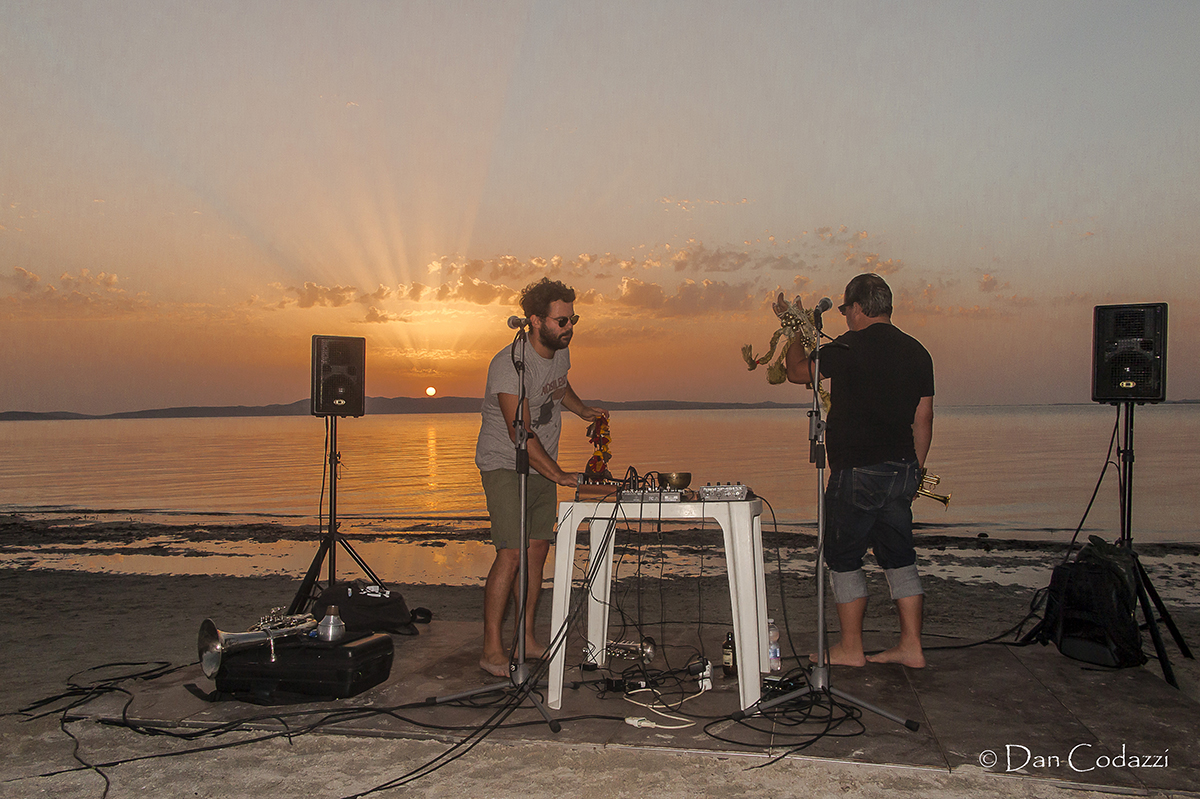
(773,654)
(729,657)
(331,628)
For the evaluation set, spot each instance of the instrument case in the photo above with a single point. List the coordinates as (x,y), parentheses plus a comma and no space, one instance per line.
(304,665)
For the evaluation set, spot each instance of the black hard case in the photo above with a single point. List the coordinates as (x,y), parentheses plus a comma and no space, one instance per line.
(308,666)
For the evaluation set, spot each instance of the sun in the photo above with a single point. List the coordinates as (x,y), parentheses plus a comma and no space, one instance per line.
(431,391)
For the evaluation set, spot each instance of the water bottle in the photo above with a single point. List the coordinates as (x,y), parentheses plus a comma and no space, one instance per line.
(331,628)
(773,655)
(729,656)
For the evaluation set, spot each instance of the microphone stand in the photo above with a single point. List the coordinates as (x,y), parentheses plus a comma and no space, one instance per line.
(818,673)
(520,681)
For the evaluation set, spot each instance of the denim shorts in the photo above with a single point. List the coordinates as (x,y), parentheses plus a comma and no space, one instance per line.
(871,507)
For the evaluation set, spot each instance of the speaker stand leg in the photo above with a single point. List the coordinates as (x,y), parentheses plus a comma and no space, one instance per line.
(1144,579)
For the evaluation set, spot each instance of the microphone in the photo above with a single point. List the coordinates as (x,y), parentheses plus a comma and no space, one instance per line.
(517,322)
(824,305)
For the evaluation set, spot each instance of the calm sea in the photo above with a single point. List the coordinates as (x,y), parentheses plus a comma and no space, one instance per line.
(1013,472)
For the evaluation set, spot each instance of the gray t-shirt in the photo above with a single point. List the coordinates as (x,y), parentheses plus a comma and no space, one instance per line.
(545,387)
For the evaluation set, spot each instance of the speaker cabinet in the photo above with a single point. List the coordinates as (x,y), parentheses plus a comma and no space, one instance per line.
(1129,361)
(338,367)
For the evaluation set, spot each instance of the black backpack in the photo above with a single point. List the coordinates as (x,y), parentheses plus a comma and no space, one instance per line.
(366,607)
(1091,607)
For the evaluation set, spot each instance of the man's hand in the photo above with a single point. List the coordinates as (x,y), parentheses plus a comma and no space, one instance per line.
(590,414)
(570,479)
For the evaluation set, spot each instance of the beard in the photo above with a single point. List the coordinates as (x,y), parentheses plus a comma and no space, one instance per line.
(552,342)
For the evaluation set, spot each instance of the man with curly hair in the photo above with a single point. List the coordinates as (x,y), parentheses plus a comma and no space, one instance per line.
(549,307)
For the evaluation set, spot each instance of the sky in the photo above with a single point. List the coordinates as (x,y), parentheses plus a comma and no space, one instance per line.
(190,191)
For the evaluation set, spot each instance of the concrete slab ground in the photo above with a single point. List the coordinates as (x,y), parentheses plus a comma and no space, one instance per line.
(993,710)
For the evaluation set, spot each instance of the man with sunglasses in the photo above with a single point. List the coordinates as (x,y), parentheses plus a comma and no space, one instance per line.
(549,307)
(878,433)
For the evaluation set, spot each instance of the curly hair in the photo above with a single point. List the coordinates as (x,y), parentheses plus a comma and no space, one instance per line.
(536,297)
(872,294)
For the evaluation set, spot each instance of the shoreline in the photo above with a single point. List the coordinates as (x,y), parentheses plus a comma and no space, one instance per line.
(458,553)
(28,527)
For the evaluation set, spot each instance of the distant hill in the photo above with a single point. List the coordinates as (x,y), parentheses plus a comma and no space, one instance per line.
(380,406)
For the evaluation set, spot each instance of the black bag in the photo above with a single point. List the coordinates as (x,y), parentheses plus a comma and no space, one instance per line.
(1091,608)
(365,607)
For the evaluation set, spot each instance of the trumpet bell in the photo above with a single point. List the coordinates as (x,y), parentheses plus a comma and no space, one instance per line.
(942,498)
(210,646)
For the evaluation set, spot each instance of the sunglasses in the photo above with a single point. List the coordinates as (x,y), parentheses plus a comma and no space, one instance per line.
(561,321)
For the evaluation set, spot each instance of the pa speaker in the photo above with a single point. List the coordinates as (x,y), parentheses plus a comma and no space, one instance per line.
(338,366)
(1129,362)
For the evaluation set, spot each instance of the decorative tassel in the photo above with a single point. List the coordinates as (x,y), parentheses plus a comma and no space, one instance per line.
(795,322)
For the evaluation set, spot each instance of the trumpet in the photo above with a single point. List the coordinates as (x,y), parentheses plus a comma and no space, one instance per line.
(925,489)
(212,643)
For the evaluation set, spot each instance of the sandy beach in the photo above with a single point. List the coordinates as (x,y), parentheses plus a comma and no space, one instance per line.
(64,623)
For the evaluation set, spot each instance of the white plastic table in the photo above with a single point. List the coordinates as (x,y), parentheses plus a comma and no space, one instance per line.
(741,523)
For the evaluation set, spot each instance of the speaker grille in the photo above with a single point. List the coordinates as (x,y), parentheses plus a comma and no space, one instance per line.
(1129,323)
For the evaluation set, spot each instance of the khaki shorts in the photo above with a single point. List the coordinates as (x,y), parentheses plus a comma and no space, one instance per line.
(500,486)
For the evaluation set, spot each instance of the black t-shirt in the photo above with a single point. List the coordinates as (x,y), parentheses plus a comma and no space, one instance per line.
(878,375)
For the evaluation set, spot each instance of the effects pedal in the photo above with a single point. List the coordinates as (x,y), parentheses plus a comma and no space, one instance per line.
(727,492)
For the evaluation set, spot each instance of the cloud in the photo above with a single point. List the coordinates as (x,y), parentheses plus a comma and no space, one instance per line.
(635,293)
(989,284)
(312,295)
(483,293)
(669,203)
(504,268)
(698,258)
(784,263)
(87,294)
(708,296)
(378,295)
(376,315)
(467,289)
(872,263)
(86,280)
(690,299)
(26,282)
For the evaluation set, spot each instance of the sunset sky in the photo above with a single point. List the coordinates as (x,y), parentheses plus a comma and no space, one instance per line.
(190,191)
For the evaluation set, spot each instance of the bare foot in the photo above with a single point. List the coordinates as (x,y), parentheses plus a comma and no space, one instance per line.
(913,657)
(838,656)
(494,668)
(534,650)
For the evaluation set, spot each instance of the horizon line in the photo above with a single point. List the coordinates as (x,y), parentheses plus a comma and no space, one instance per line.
(388,406)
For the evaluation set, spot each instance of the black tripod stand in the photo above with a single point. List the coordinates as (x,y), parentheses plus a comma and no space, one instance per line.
(1145,589)
(521,682)
(818,674)
(304,596)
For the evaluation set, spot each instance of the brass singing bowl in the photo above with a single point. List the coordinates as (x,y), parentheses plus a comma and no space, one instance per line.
(675,480)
